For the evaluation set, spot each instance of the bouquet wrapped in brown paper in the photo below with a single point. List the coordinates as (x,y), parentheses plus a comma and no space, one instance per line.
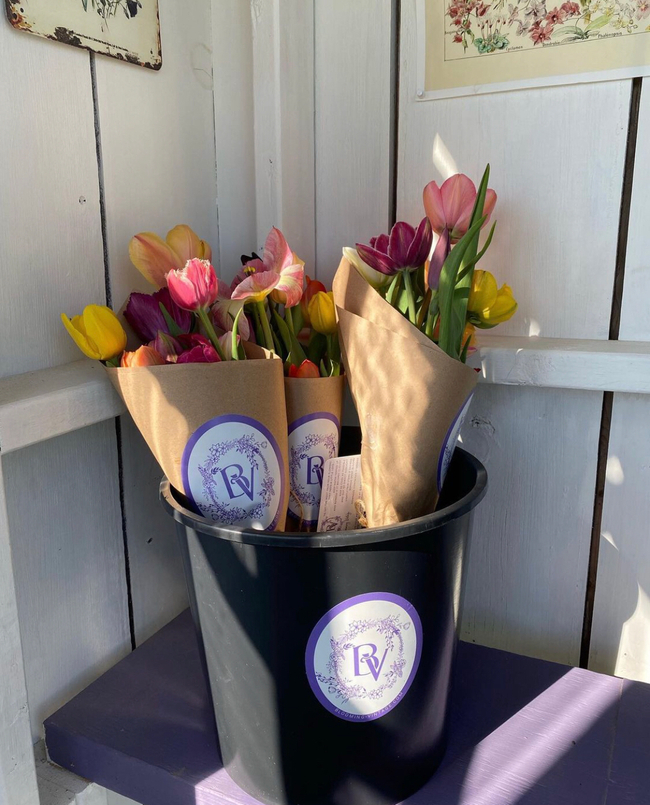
(217,441)
(314,407)
(406,326)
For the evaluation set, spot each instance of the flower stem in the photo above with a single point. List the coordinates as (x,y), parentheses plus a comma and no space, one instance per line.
(431,316)
(266,327)
(205,321)
(114,362)
(408,287)
(393,289)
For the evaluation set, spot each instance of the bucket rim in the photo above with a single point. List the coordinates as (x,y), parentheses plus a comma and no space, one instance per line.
(331,539)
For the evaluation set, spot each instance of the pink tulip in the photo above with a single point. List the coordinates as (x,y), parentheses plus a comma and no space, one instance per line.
(450,206)
(195,286)
(143,356)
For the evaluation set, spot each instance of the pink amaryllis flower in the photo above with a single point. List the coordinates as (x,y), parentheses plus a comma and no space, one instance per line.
(279,272)
(450,206)
(405,248)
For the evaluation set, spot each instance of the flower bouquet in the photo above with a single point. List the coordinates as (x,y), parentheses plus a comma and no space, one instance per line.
(206,351)
(297,321)
(407,324)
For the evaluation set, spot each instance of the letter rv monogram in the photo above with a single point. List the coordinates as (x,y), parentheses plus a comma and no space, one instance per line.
(315,470)
(233,475)
(371,660)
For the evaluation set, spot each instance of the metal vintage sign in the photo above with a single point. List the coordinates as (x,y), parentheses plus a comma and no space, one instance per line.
(124,29)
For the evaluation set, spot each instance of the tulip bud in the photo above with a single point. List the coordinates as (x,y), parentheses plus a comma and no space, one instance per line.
(166,346)
(306,369)
(97,332)
(195,286)
(313,287)
(143,356)
(322,313)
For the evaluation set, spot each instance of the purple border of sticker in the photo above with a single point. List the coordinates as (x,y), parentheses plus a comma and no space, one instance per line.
(296,424)
(225,419)
(327,618)
(446,439)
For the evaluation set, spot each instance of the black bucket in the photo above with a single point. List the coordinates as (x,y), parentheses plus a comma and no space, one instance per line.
(329,655)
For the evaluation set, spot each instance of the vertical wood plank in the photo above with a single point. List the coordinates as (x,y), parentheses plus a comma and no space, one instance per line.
(620,637)
(283,89)
(353,125)
(557,213)
(234,131)
(17,771)
(50,243)
(51,248)
(64,518)
(529,549)
(158,156)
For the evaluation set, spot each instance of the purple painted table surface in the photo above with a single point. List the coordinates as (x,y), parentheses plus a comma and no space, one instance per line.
(523,732)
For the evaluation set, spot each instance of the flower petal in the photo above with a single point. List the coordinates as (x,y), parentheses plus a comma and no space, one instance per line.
(420,245)
(277,254)
(433,207)
(153,258)
(257,286)
(401,237)
(458,193)
(380,243)
(440,253)
(371,276)
(378,260)
(104,330)
(78,335)
(185,242)
(290,285)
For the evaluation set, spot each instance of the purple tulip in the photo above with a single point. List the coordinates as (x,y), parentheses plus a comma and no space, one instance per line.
(405,248)
(440,254)
(144,315)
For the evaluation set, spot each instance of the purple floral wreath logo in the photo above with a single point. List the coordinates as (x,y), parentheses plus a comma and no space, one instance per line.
(313,440)
(363,655)
(233,472)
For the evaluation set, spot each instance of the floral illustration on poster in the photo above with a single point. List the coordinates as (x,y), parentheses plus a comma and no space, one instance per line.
(125,29)
(479,42)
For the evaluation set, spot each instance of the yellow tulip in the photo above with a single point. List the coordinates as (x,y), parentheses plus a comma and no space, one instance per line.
(155,258)
(322,313)
(487,306)
(97,332)
(483,293)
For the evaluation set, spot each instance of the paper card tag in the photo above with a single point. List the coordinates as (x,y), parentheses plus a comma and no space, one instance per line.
(341,490)
(451,439)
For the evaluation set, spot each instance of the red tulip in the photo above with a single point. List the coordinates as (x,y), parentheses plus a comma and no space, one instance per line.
(195,286)
(306,369)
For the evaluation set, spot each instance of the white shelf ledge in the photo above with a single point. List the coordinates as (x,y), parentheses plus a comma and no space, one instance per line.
(41,405)
(565,363)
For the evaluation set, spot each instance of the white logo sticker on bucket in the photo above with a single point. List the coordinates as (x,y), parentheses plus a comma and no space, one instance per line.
(313,440)
(449,444)
(363,655)
(233,472)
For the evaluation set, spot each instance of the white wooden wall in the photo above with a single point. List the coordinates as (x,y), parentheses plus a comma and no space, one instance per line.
(283,112)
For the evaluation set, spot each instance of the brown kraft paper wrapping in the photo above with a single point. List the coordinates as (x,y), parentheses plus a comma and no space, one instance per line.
(410,397)
(314,407)
(234,469)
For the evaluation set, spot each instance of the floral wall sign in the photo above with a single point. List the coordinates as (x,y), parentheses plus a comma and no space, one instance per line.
(125,29)
(474,46)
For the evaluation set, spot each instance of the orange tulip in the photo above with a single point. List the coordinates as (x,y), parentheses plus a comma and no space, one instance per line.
(143,356)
